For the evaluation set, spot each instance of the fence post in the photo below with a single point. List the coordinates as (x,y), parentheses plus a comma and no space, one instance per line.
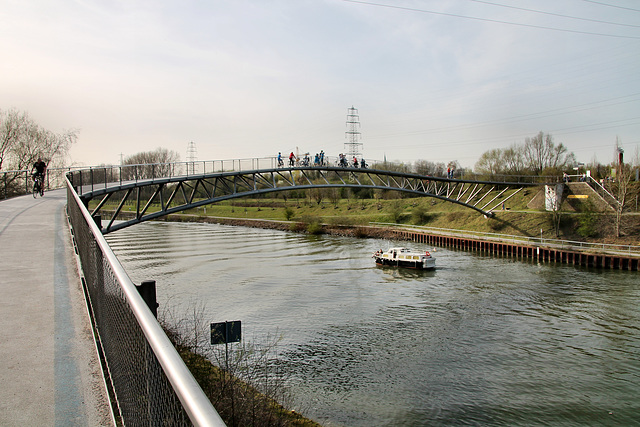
(147,290)
(98,220)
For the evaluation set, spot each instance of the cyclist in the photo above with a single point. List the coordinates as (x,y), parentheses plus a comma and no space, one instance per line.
(38,171)
(280,162)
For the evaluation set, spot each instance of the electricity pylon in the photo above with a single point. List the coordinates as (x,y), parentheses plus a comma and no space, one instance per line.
(353,146)
(192,157)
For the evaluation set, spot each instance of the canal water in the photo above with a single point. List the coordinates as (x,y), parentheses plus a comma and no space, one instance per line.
(482,340)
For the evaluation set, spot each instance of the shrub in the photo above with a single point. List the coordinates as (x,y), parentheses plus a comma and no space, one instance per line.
(288,213)
(314,228)
(587,224)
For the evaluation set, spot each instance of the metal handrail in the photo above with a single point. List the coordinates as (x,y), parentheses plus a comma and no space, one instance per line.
(600,187)
(196,404)
(534,241)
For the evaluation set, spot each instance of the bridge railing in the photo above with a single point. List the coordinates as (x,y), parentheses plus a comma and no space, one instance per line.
(18,182)
(101,176)
(151,383)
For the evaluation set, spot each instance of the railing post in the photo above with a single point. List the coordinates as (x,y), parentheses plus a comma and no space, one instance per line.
(98,220)
(147,290)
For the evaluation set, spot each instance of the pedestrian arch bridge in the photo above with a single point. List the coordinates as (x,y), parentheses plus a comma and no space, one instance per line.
(153,191)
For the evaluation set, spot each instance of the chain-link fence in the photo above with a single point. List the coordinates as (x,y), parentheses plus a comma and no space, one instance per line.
(151,383)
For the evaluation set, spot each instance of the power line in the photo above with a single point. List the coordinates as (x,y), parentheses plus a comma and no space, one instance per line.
(555,14)
(612,5)
(496,21)
(562,131)
(538,115)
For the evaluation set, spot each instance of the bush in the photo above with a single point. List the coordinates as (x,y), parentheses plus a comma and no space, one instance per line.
(288,213)
(587,224)
(314,228)
(587,220)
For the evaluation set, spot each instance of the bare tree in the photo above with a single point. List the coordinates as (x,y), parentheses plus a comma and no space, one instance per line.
(540,153)
(621,187)
(490,162)
(513,159)
(150,164)
(23,141)
(425,167)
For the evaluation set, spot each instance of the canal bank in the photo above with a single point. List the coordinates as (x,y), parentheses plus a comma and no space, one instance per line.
(540,252)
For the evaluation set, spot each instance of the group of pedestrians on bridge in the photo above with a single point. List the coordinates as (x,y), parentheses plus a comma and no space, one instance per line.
(320,160)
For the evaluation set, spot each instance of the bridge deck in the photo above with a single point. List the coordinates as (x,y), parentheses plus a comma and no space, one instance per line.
(49,369)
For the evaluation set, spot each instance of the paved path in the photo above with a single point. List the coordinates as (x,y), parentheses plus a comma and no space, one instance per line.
(49,370)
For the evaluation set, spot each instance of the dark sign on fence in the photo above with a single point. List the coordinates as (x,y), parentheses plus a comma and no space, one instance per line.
(225,332)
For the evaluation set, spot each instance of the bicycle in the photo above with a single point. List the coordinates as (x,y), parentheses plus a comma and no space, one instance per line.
(38,188)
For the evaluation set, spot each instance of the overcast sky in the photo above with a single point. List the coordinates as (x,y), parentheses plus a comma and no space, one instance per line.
(432,79)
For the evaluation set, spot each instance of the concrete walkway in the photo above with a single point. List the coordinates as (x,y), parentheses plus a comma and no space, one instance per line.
(49,369)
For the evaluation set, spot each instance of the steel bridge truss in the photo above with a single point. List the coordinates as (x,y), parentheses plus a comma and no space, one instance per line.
(150,199)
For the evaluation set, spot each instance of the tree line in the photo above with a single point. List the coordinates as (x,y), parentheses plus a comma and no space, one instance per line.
(538,155)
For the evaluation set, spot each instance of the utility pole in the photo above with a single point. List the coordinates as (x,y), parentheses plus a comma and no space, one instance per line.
(192,157)
(353,146)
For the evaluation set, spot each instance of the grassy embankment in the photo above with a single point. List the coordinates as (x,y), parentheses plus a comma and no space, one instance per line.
(520,217)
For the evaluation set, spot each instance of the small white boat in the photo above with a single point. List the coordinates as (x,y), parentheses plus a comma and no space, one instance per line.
(403,257)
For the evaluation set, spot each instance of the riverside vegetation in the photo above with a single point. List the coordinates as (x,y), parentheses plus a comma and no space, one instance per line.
(243,384)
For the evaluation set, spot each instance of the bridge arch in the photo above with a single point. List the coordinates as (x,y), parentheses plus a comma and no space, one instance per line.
(178,193)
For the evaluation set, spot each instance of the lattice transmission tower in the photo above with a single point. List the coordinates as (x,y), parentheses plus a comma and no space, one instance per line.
(192,157)
(353,146)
